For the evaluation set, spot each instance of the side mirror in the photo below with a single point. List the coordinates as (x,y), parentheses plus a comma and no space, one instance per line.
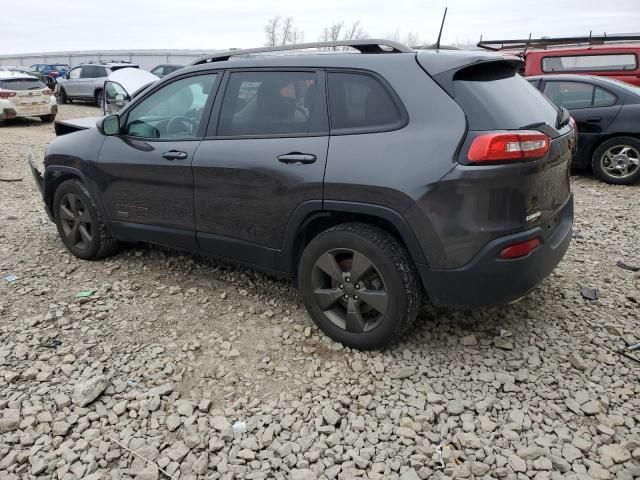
(109,125)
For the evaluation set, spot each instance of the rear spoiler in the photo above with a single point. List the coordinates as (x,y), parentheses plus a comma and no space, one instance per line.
(443,68)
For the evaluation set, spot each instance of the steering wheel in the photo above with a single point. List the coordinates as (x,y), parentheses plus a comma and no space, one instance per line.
(173,124)
(303,111)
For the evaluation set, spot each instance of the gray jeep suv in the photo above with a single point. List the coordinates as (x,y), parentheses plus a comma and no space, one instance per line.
(86,82)
(374,179)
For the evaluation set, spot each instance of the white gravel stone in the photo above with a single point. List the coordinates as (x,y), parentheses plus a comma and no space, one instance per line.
(86,391)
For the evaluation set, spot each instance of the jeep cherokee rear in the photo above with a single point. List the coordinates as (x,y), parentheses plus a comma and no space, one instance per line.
(372,178)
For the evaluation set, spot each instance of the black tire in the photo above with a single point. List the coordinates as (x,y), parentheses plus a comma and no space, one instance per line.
(98,243)
(98,97)
(390,272)
(63,97)
(611,164)
(48,118)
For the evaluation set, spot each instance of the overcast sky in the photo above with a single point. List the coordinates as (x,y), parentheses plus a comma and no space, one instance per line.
(37,26)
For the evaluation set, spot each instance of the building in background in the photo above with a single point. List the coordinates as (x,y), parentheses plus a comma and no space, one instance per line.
(146,59)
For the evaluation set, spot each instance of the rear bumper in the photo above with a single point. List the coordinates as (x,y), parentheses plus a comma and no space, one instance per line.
(16,112)
(489,280)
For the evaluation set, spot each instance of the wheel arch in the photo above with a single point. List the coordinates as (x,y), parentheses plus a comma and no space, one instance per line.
(56,175)
(311,219)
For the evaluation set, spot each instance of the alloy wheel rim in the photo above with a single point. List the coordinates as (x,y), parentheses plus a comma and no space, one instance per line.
(349,290)
(76,221)
(621,161)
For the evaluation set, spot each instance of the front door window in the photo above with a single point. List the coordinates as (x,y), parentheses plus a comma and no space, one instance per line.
(173,112)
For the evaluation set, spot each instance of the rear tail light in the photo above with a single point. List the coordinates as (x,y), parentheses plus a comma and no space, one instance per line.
(7,93)
(498,147)
(519,249)
(53,73)
(47,91)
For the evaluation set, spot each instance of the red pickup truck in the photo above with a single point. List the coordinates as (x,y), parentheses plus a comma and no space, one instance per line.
(613,57)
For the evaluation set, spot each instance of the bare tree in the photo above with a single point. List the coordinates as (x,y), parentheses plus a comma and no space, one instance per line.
(282,31)
(337,31)
(297,36)
(412,39)
(286,32)
(271,31)
(395,35)
(355,32)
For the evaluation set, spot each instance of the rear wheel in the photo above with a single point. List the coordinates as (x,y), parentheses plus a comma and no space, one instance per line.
(48,118)
(617,161)
(80,223)
(98,98)
(359,285)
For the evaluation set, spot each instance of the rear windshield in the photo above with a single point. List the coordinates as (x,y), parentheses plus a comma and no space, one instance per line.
(59,68)
(495,97)
(22,84)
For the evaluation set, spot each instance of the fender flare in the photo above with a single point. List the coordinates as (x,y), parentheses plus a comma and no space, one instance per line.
(51,170)
(311,210)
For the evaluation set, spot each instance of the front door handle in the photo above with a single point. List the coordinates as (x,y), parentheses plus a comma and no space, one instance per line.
(296,157)
(174,155)
(594,119)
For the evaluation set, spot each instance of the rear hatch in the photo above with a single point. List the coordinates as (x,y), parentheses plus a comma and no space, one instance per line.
(515,158)
(30,95)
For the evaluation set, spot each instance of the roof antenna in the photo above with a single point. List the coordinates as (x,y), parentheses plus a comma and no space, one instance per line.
(441,26)
(526,45)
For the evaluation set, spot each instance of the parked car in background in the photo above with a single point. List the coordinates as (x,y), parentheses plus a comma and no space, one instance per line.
(23,95)
(164,70)
(86,82)
(605,56)
(607,114)
(361,175)
(123,85)
(51,69)
(47,80)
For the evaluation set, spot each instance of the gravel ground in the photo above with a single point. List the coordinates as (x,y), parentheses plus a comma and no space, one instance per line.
(210,371)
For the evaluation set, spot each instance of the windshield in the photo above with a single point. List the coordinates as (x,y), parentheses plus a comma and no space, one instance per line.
(18,84)
(495,97)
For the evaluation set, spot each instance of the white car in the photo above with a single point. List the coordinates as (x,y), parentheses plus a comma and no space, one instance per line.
(23,95)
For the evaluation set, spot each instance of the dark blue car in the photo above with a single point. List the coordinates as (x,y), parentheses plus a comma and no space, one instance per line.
(51,69)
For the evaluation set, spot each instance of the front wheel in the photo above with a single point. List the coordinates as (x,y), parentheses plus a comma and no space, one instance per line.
(48,118)
(359,285)
(63,96)
(617,161)
(80,223)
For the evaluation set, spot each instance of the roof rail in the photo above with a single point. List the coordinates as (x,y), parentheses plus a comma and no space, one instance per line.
(369,45)
(497,45)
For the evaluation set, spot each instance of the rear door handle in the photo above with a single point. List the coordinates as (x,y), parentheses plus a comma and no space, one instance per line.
(295,157)
(174,155)
(594,119)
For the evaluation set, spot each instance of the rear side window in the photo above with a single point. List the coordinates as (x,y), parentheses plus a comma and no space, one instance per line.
(360,101)
(573,95)
(88,72)
(18,84)
(586,63)
(99,72)
(494,97)
(271,103)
